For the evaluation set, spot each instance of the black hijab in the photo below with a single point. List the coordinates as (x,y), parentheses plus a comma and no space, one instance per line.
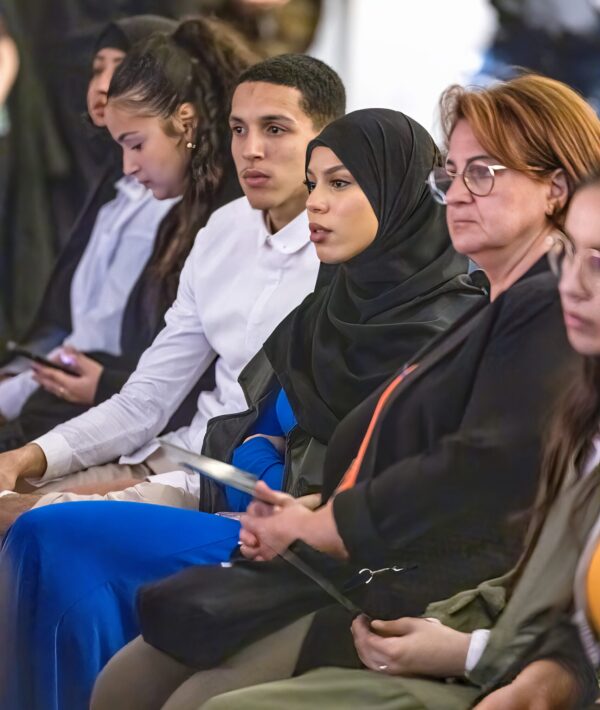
(383,305)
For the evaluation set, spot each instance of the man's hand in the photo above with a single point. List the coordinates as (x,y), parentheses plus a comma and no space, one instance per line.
(542,685)
(26,461)
(411,647)
(78,388)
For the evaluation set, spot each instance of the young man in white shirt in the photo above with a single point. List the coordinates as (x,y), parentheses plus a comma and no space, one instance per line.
(250,266)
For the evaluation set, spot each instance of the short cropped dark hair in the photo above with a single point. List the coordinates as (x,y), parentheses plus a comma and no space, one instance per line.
(323,93)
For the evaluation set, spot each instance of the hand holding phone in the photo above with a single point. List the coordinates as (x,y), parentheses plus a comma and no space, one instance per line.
(19,351)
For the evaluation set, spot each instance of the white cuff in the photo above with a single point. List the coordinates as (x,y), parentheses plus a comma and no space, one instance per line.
(58,455)
(478,644)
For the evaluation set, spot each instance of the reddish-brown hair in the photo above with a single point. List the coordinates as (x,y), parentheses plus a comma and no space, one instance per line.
(530,123)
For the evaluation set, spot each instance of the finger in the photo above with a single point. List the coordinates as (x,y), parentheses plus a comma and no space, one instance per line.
(381,646)
(250,553)
(58,378)
(263,493)
(250,524)
(47,382)
(70,359)
(48,373)
(360,626)
(248,539)
(70,350)
(395,627)
(259,509)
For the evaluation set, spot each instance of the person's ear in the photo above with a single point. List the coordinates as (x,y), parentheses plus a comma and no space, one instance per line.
(558,192)
(186,120)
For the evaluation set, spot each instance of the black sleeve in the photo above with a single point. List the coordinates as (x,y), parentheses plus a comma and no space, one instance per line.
(488,465)
(111,381)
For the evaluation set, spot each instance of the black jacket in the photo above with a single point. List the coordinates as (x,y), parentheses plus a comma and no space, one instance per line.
(454,458)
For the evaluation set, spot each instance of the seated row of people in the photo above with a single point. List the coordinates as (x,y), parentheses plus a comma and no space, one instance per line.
(398,409)
(120,269)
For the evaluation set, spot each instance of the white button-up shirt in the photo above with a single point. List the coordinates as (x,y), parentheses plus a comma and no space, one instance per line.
(119,247)
(237,284)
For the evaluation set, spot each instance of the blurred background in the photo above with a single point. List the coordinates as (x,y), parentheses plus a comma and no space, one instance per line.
(393,53)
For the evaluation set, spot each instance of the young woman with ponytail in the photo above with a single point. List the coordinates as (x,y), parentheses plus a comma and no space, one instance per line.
(197,66)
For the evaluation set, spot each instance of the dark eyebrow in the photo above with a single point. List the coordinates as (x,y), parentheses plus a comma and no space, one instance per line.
(335,169)
(277,117)
(331,170)
(265,119)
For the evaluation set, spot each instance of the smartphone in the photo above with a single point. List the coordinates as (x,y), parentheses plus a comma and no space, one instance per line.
(16,349)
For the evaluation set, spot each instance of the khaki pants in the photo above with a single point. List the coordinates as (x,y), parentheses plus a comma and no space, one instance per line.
(143,492)
(343,689)
(141,678)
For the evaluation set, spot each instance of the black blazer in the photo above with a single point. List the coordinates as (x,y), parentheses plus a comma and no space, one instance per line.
(456,452)
(452,464)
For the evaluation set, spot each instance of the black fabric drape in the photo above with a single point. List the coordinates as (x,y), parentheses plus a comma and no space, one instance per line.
(385,303)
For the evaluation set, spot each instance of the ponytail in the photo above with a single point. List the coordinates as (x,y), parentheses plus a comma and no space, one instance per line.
(199,64)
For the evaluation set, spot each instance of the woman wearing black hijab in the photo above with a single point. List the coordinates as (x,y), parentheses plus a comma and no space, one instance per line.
(398,283)
(382,304)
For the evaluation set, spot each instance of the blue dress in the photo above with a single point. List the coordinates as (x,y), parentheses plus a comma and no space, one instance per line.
(69,575)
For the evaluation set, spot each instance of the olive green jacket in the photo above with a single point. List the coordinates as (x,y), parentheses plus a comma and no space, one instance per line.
(535,621)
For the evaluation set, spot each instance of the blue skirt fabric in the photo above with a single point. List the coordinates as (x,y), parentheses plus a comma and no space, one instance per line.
(69,574)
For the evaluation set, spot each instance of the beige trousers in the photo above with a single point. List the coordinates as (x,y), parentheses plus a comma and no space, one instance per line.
(143,492)
(141,678)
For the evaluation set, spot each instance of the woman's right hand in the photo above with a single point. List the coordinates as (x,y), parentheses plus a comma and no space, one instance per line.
(411,647)
(29,460)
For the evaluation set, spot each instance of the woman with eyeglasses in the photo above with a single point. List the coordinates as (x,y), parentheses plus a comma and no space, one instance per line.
(429,472)
(534,653)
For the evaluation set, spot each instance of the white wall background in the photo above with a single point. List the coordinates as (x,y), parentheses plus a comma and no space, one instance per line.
(401,54)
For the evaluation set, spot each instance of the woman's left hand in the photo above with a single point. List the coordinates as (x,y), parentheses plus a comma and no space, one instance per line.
(79,388)
(411,647)
(274,520)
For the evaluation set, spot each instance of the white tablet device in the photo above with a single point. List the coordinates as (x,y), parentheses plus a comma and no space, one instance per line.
(218,470)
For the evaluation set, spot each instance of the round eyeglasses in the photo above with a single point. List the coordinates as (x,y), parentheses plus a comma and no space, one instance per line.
(477,177)
(563,253)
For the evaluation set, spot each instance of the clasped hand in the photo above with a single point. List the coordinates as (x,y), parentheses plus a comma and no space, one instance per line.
(271,523)
(274,520)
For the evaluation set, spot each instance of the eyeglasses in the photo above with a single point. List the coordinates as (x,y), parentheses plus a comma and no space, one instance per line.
(564,253)
(477,177)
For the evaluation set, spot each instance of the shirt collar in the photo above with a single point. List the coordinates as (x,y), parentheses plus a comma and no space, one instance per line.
(129,186)
(287,240)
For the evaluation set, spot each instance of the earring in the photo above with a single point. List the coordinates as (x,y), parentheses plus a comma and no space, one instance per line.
(190,145)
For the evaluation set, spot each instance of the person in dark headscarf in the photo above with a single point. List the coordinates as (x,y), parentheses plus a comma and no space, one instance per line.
(399,283)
